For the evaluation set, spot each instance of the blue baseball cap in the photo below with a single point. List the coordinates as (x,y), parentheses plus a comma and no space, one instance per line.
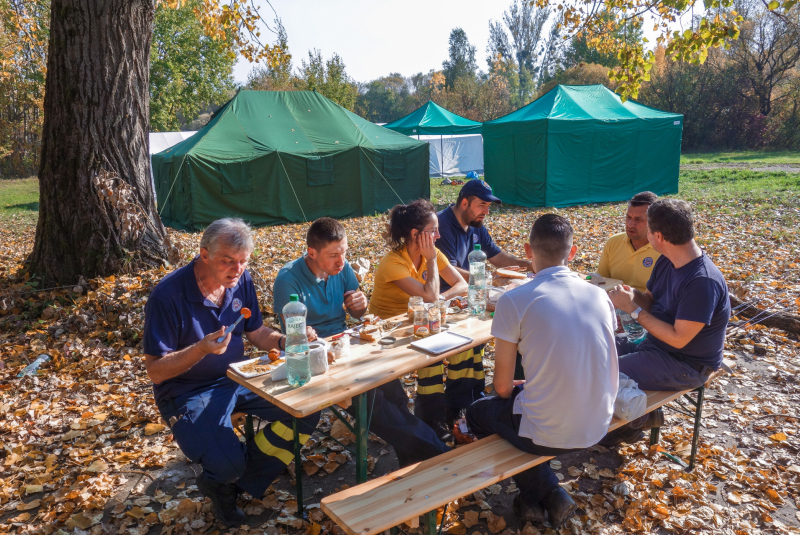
(480,189)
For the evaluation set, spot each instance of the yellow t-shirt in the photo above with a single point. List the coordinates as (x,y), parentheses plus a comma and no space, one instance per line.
(387,298)
(620,261)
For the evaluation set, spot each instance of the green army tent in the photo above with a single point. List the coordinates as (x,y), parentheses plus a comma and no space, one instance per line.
(581,144)
(432,119)
(273,157)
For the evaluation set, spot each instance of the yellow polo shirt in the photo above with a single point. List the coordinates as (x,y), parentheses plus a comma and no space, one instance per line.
(387,298)
(620,261)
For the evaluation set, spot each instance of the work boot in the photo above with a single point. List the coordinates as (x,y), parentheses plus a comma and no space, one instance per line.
(633,432)
(559,505)
(444,433)
(223,497)
(527,512)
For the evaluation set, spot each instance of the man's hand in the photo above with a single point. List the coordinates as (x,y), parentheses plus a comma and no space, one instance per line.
(209,343)
(623,298)
(311,334)
(355,300)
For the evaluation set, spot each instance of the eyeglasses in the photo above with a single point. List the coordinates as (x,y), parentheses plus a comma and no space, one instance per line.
(432,231)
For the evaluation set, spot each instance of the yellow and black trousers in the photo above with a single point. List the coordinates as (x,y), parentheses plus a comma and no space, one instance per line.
(466,382)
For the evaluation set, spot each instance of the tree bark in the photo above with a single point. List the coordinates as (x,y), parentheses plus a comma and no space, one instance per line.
(785,322)
(97,211)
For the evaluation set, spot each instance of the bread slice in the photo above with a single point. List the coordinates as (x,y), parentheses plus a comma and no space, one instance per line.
(370,333)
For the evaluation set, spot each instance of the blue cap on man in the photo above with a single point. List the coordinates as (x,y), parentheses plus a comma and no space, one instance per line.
(480,189)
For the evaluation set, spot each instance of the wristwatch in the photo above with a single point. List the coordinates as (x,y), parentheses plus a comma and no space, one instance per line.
(635,313)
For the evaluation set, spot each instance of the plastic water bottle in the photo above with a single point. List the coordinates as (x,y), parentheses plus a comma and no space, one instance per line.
(298,367)
(636,333)
(32,368)
(477,282)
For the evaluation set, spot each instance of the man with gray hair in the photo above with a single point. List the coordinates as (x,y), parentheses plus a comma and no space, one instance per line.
(184,316)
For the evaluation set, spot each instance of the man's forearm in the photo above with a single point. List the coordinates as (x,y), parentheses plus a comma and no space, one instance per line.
(264,338)
(160,369)
(464,273)
(642,300)
(357,312)
(504,259)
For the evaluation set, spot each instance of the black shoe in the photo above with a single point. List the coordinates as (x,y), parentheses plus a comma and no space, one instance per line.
(559,505)
(527,512)
(444,433)
(223,496)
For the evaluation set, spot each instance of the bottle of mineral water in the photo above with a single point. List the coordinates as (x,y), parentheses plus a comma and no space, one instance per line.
(298,368)
(477,282)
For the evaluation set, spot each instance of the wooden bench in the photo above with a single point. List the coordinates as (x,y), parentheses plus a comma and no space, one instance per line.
(419,489)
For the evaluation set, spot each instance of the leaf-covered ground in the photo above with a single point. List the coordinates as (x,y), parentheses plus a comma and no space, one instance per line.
(84,450)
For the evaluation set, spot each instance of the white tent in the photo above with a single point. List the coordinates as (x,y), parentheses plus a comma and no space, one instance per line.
(162,141)
(457,154)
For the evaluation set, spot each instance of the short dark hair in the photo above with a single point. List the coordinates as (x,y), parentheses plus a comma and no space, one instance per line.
(462,197)
(551,237)
(645,198)
(673,219)
(407,217)
(324,231)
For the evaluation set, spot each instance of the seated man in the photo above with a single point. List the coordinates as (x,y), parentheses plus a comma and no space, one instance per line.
(326,284)
(184,316)
(685,310)
(628,256)
(460,228)
(564,329)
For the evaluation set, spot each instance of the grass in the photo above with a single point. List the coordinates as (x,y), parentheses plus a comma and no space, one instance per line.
(19,200)
(762,157)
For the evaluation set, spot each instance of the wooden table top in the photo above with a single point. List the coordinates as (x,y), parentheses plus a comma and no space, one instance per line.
(369,366)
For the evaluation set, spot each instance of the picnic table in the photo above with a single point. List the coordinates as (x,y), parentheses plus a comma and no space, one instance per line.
(369,365)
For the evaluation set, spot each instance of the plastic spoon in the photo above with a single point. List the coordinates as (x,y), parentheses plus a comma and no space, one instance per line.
(245,314)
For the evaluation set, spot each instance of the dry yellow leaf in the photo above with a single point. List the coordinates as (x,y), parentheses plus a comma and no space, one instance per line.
(778,437)
(98,466)
(33,504)
(471,518)
(33,489)
(152,429)
(773,496)
(314,529)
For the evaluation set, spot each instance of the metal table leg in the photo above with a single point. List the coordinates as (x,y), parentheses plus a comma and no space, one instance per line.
(362,434)
(298,466)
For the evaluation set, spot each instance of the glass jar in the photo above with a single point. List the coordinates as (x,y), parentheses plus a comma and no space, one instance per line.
(434,320)
(414,302)
(421,327)
(442,307)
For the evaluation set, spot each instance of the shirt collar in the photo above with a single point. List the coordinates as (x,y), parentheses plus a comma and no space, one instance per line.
(407,258)
(552,271)
(455,223)
(630,244)
(192,288)
(307,271)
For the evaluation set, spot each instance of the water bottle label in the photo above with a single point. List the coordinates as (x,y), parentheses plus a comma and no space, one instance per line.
(296,322)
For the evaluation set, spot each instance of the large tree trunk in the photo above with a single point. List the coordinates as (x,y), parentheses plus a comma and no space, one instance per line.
(97,211)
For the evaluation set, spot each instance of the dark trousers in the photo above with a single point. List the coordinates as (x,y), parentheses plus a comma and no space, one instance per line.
(413,440)
(466,382)
(201,424)
(655,369)
(494,414)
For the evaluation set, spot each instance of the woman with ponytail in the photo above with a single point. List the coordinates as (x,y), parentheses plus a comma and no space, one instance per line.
(413,267)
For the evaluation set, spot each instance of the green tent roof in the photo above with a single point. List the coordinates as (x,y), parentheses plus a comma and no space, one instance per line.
(432,119)
(583,102)
(273,157)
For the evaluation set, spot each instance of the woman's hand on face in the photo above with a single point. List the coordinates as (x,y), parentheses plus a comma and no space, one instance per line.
(426,246)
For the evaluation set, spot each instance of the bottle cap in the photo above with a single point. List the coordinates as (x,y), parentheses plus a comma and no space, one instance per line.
(477,247)
(294,297)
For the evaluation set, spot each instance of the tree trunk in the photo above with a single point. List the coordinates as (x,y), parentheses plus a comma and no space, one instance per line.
(783,321)
(97,211)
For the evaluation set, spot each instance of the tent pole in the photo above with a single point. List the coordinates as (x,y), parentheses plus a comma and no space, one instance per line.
(441,149)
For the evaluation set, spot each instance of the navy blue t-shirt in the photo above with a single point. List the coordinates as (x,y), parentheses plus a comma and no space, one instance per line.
(456,243)
(177,315)
(694,292)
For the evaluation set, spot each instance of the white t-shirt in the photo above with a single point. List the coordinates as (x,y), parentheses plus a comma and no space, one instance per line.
(564,328)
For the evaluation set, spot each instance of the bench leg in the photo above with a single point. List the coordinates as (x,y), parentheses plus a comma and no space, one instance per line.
(654,435)
(249,430)
(698,416)
(362,434)
(430,523)
(298,466)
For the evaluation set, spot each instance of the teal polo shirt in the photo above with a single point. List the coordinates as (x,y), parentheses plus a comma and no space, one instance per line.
(324,299)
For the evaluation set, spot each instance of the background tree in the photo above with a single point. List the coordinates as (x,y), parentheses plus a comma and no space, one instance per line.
(188,70)
(581,74)
(579,50)
(328,78)
(275,77)
(385,99)
(97,209)
(461,63)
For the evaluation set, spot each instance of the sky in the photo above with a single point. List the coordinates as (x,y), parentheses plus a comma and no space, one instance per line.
(378,37)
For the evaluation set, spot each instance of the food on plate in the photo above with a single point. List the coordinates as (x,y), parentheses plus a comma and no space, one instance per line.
(260,366)
(370,319)
(370,333)
(274,355)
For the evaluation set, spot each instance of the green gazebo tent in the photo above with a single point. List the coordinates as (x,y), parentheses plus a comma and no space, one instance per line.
(581,144)
(273,157)
(432,119)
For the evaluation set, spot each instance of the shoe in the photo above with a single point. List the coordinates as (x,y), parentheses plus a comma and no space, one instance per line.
(527,512)
(559,505)
(223,497)
(444,433)
(630,434)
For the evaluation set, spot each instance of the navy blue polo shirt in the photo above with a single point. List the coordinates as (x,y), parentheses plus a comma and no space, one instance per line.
(177,315)
(694,292)
(324,299)
(456,243)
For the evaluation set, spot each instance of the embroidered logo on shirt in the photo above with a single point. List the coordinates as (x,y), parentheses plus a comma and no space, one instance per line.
(425,275)
(647,262)
(236,305)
